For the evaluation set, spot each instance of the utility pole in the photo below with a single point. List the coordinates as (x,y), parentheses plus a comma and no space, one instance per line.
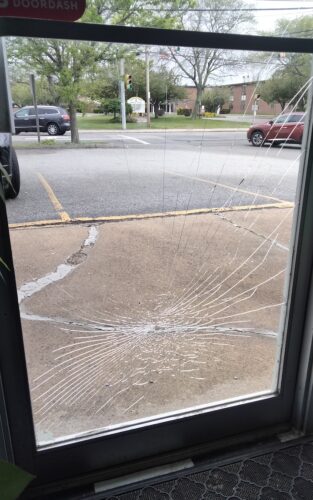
(33,89)
(122,93)
(148,87)
(255,105)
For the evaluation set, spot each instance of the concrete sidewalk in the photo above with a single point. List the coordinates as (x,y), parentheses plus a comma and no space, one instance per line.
(126,320)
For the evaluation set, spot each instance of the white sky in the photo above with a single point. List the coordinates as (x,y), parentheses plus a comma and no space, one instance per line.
(266,19)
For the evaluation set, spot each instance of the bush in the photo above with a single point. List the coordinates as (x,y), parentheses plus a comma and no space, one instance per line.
(98,111)
(208,114)
(111,106)
(118,119)
(225,111)
(184,111)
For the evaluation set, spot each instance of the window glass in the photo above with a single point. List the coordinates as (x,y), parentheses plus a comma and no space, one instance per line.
(296,118)
(22,113)
(281,119)
(50,111)
(151,261)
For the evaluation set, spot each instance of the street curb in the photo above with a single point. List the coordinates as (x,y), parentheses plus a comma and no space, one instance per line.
(158,130)
(148,216)
(29,146)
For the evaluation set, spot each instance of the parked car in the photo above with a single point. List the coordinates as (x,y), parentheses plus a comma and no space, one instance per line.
(52,119)
(286,128)
(10,170)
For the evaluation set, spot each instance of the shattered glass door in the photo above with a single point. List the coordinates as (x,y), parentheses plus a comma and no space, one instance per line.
(151,261)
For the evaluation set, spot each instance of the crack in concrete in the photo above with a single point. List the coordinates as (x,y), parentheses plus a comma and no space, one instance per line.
(255,233)
(73,261)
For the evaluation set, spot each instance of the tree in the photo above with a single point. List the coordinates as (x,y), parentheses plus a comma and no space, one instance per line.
(62,63)
(154,14)
(66,64)
(215,97)
(281,88)
(199,64)
(163,84)
(113,106)
(292,71)
(21,92)
(295,69)
(104,83)
(163,88)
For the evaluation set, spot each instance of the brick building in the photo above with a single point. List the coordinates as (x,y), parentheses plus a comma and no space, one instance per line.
(242,100)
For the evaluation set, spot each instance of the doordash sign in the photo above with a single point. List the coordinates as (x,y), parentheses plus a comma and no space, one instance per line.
(54,10)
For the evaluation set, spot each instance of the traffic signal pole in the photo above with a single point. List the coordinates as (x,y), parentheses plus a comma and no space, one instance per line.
(148,86)
(33,91)
(122,93)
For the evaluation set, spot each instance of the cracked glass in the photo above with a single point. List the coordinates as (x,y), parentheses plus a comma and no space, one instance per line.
(151,260)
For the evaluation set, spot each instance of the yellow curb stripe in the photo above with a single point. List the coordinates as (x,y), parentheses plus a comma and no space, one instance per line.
(178,213)
(226,186)
(37,223)
(54,200)
(120,218)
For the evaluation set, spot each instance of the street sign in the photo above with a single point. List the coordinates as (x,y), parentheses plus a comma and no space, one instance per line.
(54,10)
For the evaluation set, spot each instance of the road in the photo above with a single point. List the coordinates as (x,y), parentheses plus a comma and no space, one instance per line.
(158,138)
(137,173)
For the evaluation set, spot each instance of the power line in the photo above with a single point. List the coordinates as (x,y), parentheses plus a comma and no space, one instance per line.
(254,9)
(166,56)
(296,32)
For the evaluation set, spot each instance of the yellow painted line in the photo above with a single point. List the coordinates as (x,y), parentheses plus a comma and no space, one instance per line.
(226,186)
(37,223)
(177,213)
(54,200)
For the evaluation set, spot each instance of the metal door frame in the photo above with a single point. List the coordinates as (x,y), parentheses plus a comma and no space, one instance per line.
(162,437)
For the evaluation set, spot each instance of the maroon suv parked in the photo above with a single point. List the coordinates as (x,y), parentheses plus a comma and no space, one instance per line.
(285,128)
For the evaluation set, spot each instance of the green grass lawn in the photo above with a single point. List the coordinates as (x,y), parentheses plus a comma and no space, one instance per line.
(97,122)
